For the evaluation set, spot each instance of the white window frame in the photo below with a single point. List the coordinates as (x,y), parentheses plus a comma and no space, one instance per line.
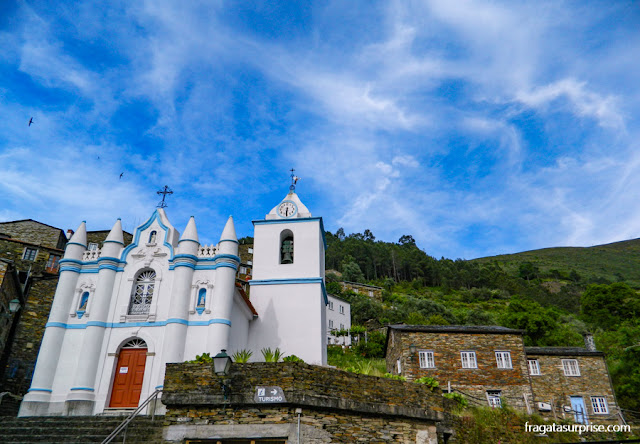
(399,366)
(29,249)
(468,359)
(494,398)
(341,327)
(571,367)
(330,305)
(503,360)
(599,405)
(534,367)
(426,359)
(93,246)
(341,309)
(331,324)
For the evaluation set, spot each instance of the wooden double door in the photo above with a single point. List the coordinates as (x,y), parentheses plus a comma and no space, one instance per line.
(127,382)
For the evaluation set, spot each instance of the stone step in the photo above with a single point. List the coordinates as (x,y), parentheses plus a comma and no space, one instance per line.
(74,429)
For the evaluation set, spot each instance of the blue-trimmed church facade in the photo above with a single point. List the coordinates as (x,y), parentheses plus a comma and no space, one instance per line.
(121,314)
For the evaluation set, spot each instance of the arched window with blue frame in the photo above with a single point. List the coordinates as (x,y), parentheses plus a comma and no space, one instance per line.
(201,301)
(142,293)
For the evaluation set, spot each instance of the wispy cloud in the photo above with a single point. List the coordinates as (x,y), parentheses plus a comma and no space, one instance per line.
(478,127)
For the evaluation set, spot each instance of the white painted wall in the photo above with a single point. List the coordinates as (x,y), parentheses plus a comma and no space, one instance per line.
(338,318)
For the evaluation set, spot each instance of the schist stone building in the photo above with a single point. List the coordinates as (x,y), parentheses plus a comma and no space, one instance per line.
(491,366)
(122,312)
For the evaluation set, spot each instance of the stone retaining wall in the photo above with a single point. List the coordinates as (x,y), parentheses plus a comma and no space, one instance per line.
(334,405)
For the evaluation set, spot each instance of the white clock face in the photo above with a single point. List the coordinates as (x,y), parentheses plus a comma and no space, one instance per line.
(287,209)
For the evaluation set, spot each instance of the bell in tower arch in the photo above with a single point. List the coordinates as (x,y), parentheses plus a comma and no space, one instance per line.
(287,251)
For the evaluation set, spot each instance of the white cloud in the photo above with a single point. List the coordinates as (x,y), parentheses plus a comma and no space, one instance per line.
(586,103)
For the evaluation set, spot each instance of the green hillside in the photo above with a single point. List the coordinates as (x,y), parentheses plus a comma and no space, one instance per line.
(618,261)
(553,294)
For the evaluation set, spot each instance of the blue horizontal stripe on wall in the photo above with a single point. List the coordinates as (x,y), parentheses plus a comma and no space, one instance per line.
(114,242)
(70,261)
(87,389)
(287,221)
(286,281)
(138,324)
(205,266)
(40,390)
(185,256)
(294,281)
(76,243)
(229,240)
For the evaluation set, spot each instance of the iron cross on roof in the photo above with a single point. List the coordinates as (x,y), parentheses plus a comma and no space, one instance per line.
(294,180)
(166,190)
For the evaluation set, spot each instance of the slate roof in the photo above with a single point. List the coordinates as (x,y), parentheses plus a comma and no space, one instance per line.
(487,329)
(561,351)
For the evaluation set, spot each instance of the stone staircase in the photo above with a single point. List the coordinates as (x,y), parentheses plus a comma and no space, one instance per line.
(78,429)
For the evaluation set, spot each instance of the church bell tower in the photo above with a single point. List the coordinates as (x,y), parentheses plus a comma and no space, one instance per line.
(288,282)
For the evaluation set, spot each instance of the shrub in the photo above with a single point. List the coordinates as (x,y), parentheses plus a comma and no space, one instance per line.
(242,356)
(396,377)
(461,401)
(271,355)
(430,382)
(292,358)
(204,358)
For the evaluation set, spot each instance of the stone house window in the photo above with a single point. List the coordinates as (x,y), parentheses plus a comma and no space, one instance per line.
(341,326)
(494,398)
(503,359)
(342,309)
(330,323)
(52,262)
(570,367)
(534,366)
(468,359)
(29,254)
(399,364)
(330,305)
(426,359)
(599,404)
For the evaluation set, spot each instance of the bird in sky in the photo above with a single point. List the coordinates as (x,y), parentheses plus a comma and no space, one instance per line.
(121,175)
(30,121)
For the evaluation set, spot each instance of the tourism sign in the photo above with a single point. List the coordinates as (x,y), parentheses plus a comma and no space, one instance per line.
(269,394)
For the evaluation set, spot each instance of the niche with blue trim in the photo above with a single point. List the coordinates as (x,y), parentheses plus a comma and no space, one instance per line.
(82,306)
(202,299)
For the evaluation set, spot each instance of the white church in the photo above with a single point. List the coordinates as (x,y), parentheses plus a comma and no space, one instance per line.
(122,312)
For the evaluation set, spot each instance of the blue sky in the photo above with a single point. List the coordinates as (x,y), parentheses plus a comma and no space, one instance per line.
(478,127)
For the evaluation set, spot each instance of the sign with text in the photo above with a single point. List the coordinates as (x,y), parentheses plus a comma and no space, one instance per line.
(269,394)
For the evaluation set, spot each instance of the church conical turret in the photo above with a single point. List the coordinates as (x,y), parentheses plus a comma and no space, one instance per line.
(228,240)
(114,241)
(189,243)
(80,235)
(190,233)
(78,243)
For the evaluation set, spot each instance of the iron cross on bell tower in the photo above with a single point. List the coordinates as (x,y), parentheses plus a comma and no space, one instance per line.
(294,180)
(166,190)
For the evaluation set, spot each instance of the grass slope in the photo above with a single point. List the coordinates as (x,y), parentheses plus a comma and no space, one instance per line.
(615,261)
